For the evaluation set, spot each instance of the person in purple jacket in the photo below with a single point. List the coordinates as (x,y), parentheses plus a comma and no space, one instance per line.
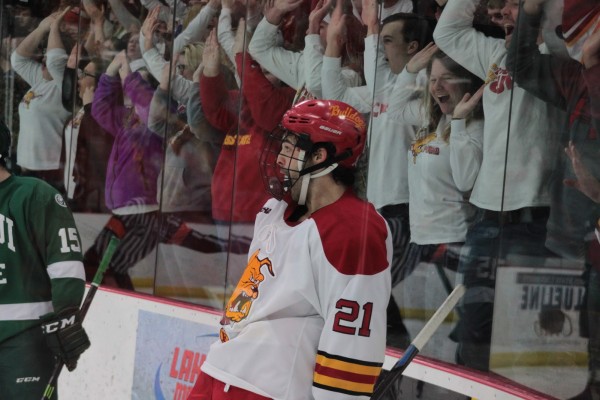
(121,106)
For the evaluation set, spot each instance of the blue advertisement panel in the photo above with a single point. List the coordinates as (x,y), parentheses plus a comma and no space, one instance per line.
(168,355)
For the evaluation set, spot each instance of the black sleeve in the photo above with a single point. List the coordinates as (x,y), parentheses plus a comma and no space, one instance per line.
(69,88)
(530,69)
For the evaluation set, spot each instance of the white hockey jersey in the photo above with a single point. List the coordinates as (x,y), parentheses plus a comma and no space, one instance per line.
(308,317)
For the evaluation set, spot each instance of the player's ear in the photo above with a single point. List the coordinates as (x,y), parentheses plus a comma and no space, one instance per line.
(413,48)
(319,155)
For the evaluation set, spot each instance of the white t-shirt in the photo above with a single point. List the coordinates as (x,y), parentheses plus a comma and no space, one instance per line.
(440,174)
(296,69)
(527,162)
(42,116)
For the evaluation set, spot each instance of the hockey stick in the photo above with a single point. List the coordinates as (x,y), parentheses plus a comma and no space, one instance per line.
(419,342)
(108,253)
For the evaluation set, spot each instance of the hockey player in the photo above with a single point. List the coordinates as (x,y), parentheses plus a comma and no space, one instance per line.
(308,317)
(41,283)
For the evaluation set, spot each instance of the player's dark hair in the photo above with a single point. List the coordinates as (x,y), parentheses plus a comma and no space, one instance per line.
(342,175)
(415,27)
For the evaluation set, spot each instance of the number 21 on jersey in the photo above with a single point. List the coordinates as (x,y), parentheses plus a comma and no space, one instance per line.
(352,319)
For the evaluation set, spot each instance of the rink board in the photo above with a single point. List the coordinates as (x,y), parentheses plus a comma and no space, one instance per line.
(147,348)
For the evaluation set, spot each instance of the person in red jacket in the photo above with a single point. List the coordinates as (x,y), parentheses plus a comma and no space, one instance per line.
(245,117)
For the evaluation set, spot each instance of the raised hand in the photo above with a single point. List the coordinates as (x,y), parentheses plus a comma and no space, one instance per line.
(75,56)
(369,15)
(198,73)
(591,50)
(150,24)
(115,65)
(58,17)
(467,104)
(167,73)
(47,22)
(240,43)
(95,13)
(420,60)
(276,9)
(211,56)
(214,4)
(586,183)
(125,69)
(336,31)
(316,16)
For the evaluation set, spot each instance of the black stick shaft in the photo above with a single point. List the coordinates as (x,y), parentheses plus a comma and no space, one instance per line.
(419,342)
(108,253)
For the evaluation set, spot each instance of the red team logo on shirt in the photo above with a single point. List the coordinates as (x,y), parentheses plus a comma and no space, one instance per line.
(499,79)
(246,291)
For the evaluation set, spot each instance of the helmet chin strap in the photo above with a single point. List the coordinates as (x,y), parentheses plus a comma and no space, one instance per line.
(306,180)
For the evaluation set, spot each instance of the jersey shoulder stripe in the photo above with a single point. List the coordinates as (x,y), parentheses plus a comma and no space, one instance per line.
(345,375)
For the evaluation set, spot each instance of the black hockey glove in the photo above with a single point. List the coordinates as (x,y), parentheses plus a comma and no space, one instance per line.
(65,336)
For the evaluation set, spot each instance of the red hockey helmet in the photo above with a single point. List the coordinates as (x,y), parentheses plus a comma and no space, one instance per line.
(330,121)
(331,124)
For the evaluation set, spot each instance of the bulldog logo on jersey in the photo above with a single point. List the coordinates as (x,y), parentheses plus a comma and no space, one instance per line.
(421,145)
(28,97)
(246,291)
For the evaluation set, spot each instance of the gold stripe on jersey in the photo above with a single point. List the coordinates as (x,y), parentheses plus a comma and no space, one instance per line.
(345,375)
(349,366)
(342,385)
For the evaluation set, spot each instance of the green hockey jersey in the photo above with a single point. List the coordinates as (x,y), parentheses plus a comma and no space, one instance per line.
(41,267)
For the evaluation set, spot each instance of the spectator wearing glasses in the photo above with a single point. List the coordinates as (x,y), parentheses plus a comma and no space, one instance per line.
(87,145)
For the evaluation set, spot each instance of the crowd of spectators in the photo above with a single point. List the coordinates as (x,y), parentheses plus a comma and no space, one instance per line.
(483,125)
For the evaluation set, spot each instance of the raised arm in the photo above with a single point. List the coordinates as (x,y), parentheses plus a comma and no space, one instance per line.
(584,180)
(466,142)
(288,66)
(56,56)
(22,58)
(107,107)
(545,76)
(224,30)
(333,85)
(159,112)
(153,59)
(378,73)
(455,36)
(402,107)
(125,18)
(198,27)
(95,41)
(313,49)
(54,40)
(219,107)
(266,102)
